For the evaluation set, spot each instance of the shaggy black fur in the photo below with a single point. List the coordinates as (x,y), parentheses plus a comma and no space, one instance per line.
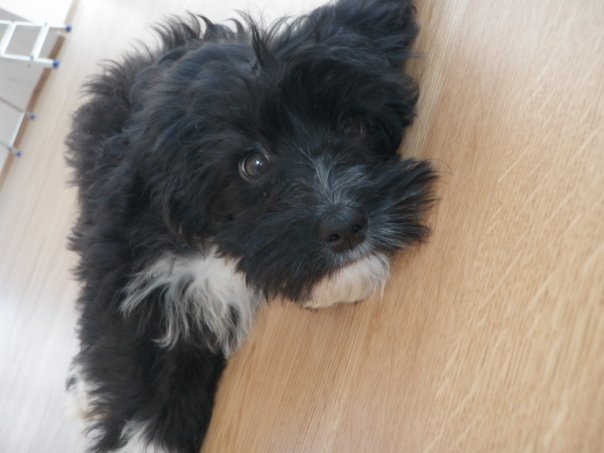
(157,152)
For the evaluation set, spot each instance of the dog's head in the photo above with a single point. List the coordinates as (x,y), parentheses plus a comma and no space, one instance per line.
(279,147)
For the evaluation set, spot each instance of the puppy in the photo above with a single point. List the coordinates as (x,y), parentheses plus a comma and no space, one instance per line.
(230,165)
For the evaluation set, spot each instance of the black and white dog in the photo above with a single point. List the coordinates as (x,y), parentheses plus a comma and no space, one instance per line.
(230,165)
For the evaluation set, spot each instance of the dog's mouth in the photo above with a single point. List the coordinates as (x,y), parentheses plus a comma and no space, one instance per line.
(350,257)
(358,277)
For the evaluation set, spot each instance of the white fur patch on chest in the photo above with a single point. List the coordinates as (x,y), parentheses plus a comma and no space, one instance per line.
(196,291)
(352,283)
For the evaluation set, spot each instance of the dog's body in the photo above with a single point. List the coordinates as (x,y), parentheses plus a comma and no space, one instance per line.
(222,169)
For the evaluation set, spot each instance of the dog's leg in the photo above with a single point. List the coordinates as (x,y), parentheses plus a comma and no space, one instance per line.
(160,401)
(152,353)
(177,412)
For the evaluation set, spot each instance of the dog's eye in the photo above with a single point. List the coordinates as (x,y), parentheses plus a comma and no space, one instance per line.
(353,126)
(252,165)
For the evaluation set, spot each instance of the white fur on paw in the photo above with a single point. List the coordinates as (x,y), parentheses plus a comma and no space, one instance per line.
(79,395)
(135,436)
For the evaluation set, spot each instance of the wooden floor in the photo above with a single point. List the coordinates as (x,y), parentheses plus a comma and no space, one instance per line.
(489,338)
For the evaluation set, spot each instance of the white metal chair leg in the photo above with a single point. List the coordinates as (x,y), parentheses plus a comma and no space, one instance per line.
(23,115)
(34,56)
(10,27)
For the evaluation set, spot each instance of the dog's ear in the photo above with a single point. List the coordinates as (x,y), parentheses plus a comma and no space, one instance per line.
(184,201)
(384,27)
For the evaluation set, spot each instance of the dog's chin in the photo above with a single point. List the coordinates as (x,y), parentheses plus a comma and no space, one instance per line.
(351,283)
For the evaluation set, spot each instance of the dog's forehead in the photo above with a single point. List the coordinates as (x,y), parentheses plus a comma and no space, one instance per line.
(232,72)
(230,104)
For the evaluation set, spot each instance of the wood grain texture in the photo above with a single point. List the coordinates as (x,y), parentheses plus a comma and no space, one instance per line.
(488,338)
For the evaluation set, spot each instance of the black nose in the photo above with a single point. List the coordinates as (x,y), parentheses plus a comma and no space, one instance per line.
(343,229)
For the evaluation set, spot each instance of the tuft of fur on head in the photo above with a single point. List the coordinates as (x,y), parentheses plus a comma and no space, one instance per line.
(227,166)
